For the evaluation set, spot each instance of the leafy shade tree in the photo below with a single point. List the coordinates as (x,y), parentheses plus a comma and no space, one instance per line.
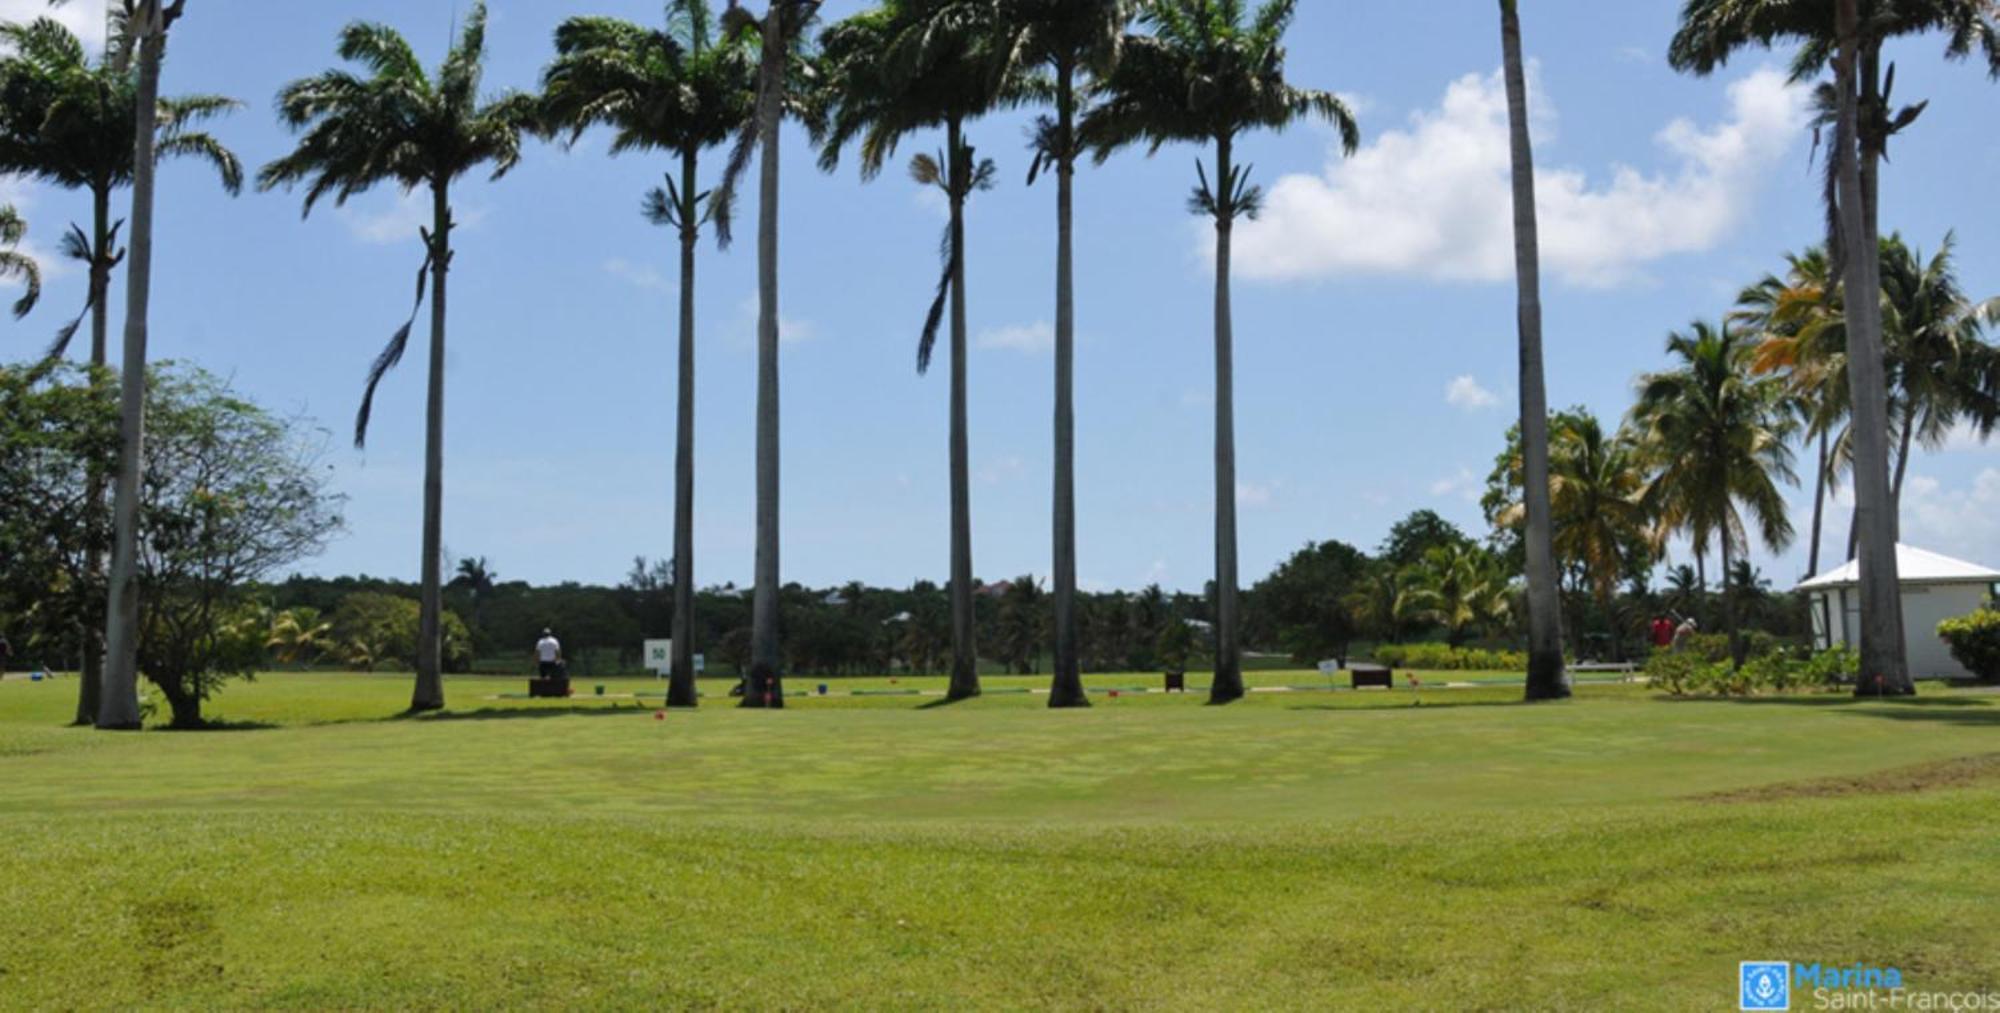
(1303,605)
(678,92)
(17,265)
(1861,105)
(1716,438)
(780,32)
(1211,72)
(1548,679)
(71,123)
(1413,537)
(1066,40)
(400,124)
(895,70)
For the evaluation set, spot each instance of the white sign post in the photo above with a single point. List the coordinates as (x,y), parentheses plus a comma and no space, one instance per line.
(660,657)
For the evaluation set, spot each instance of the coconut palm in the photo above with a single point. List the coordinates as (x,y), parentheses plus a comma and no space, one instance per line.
(1864,121)
(1211,72)
(15,264)
(1715,435)
(1070,41)
(1938,363)
(69,121)
(672,90)
(1460,587)
(1596,498)
(1390,602)
(780,32)
(298,636)
(400,124)
(1805,341)
(1548,679)
(901,68)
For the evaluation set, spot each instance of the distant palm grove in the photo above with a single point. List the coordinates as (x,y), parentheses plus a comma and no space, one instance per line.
(1796,381)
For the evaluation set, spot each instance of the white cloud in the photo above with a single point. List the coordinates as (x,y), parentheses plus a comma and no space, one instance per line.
(1032,338)
(1466,394)
(1002,470)
(398,219)
(1254,495)
(791,330)
(637,275)
(83,17)
(1434,200)
(1464,485)
(1959,521)
(1963,438)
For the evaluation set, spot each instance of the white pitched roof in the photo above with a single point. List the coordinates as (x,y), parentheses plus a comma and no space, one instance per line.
(1913,566)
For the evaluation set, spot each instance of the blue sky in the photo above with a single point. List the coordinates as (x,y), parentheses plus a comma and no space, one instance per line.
(1375,339)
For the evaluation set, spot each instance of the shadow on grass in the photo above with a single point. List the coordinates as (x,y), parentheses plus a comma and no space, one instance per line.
(1933,709)
(521,713)
(1426,705)
(224,725)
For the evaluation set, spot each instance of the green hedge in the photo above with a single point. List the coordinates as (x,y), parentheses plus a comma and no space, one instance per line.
(1975,642)
(1690,673)
(1445,658)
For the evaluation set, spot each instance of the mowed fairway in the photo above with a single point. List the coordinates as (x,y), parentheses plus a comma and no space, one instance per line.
(1294,851)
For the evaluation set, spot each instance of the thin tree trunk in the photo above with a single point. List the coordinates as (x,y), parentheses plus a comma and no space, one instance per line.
(1066,688)
(964,649)
(766,687)
(1227,685)
(1902,471)
(429,693)
(1819,503)
(1729,610)
(90,637)
(119,708)
(1884,663)
(682,689)
(1548,679)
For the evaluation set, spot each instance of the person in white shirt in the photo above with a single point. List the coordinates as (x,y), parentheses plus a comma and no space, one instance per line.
(548,652)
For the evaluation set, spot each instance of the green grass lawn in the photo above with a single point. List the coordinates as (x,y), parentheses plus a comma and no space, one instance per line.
(1296,850)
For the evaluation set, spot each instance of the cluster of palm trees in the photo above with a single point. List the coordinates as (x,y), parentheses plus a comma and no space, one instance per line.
(1112,73)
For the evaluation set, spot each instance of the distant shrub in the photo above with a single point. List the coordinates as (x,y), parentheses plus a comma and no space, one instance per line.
(1445,658)
(1690,673)
(1975,642)
(1715,646)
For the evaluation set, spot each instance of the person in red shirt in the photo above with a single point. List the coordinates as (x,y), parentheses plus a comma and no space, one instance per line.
(1663,632)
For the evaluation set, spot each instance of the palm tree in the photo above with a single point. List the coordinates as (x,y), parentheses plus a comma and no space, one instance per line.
(1207,76)
(1390,602)
(1548,679)
(907,66)
(299,636)
(1711,31)
(478,578)
(1938,363)
(1461,589)
(1805,341)
(1597,492)
(70,123)
(1067,39)
(674,91)
(400,124)
(780,31)
(15,264)
(1716,436)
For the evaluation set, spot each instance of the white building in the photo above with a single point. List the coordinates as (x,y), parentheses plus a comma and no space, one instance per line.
(1935,588)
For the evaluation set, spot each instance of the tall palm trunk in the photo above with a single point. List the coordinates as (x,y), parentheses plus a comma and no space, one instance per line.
(429,694)
(964,650)
(1066,688)
(681,687)
(1902,470)
(766,688)
(1548,679)
(1227,685)
(1884,663)
(90,636)
(1819,502)
(119,708)
(1729,609)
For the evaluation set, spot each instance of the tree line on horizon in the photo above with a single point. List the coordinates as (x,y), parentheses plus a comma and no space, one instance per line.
(1111,74)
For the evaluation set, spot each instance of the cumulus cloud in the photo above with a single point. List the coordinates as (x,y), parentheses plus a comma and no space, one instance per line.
(37,244)
(1961,521)
(1467,394)
(1032,338)
(397,219)
(85,18)
(1256,495)
(791,330)
(1465,485)
(1433,200)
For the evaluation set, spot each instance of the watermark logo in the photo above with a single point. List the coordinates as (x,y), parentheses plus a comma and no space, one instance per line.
(1765,985)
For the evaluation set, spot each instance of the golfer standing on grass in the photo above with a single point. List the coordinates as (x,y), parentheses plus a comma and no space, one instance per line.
(548,651)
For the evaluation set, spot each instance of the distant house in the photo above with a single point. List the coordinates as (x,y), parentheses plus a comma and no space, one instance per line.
(1935,588)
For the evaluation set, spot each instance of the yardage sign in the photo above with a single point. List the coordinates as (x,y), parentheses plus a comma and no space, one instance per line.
(660,656)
